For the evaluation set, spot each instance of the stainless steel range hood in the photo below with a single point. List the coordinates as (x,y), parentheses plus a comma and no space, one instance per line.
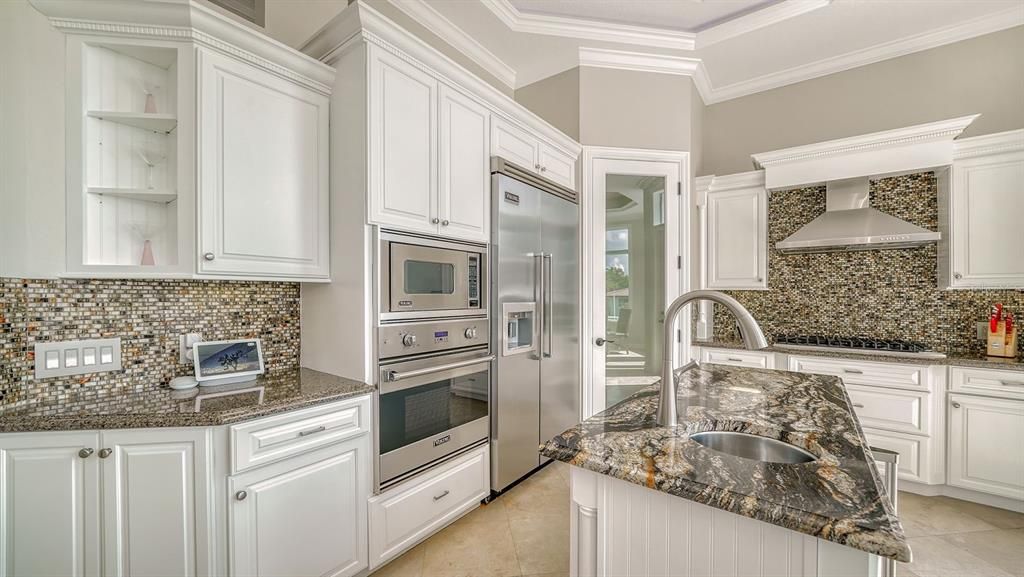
(849,224)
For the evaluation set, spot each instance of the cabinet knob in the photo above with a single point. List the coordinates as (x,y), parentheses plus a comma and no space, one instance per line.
(543,169)
(444,223)
(435,220)
(104,453)
(241,495)
(536,167)
(760,279)
(956,405)
(84,453)
(208,256)
(958,276)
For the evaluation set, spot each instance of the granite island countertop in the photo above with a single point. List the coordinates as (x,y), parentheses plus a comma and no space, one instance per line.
(271,393)
(840,497)
(978,361)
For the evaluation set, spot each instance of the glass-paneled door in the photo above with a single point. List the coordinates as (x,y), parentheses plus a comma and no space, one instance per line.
(636,258)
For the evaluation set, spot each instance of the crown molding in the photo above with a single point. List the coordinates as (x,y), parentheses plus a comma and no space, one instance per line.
(360,23)
(962,31)
(989,144)
(582,28)
(426,15)
(890,151)
(762,18)
(736,181)
(185,20)
(647,62)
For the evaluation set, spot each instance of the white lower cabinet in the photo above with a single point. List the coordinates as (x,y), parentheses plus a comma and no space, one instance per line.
(985,453)
(156,518)
(738,358)
(302,516)
(411,511)
(143,491)
(49,505)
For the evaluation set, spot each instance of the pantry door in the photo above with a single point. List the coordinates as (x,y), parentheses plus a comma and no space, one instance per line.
(636,253)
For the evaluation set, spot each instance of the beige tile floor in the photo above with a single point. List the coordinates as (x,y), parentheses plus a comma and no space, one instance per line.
(525,532)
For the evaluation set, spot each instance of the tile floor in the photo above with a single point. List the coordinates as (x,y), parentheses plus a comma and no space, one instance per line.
(526,533)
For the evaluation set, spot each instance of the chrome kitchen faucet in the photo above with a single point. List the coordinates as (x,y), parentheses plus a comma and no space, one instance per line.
(753,339)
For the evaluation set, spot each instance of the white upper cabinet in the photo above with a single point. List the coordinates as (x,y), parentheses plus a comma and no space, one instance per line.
(464,199)
(49,505)
(737,232)
(429,165)
(982,212)
(263,173)
(403,144)
(518,147)
(196,146)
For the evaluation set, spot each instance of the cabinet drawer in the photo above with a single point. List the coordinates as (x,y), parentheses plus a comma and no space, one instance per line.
(864,373)
(891,409)
(990,382)
(412,511)
(913,452)
(277,437)
(738,358)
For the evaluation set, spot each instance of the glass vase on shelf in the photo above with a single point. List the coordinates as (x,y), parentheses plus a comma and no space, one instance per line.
(149,89)
(145,232)
(152,157)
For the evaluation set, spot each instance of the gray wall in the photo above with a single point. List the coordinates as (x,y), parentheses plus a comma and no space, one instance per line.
(633,109)
(980,75)
(556,99)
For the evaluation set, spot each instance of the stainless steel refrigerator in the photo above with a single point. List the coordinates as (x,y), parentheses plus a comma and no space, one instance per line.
(535,296)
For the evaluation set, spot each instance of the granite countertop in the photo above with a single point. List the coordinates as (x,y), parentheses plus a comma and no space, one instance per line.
(198,407)
(958,360)
(840,497)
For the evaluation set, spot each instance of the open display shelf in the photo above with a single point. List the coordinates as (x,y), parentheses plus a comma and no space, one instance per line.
(153,121)
(129,183)
(146,194)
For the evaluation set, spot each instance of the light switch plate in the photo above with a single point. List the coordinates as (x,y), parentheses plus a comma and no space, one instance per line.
(64,358)
(185,343)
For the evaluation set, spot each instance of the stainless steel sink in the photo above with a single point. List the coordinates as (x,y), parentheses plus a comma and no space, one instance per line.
(753,447)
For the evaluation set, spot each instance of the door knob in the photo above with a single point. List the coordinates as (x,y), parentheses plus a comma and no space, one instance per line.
(600,342)
(208,256)
(435,220)
(444,223)
(241,495)
(104,453)
(84,453)
(956,405)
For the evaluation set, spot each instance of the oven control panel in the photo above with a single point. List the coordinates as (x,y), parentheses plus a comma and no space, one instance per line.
(403,339)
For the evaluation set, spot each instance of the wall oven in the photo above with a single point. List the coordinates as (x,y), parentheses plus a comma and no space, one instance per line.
(434,393)
(423,277)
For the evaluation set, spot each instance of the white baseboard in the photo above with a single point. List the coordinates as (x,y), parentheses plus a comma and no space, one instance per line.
(963,495)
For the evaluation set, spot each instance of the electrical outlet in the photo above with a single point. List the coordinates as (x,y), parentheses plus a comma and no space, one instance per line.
(983,331)
(185,343)
(61,359)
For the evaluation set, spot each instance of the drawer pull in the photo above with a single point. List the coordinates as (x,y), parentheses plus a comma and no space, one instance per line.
(314,431)
(442,495)
(735,360)
(853,371)
(858,405)
(1010,384)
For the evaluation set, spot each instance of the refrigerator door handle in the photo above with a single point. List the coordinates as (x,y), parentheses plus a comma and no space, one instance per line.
(545,305)
(539,296)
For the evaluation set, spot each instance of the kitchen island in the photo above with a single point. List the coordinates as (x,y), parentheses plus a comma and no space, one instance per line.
(650,500)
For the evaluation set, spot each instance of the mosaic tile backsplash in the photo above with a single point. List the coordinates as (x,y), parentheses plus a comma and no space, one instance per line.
(889,294)
(149,316)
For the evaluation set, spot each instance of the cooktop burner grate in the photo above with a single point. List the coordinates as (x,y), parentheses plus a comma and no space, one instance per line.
(859,343)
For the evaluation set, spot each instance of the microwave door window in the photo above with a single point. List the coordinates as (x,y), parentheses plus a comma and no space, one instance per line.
(429,278)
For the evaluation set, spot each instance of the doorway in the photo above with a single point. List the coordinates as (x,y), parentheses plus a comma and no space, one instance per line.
(636,255)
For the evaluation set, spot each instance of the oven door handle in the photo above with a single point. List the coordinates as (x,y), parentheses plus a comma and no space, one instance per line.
(393,376)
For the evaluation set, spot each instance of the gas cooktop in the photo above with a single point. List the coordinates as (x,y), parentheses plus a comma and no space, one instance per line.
(858,345)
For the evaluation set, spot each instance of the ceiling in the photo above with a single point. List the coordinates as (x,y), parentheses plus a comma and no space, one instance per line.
(684,15)
(730,47)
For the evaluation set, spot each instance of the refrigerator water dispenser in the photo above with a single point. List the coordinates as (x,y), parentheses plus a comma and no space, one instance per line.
(517,335)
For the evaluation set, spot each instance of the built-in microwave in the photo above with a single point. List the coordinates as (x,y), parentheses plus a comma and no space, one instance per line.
(423,277)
